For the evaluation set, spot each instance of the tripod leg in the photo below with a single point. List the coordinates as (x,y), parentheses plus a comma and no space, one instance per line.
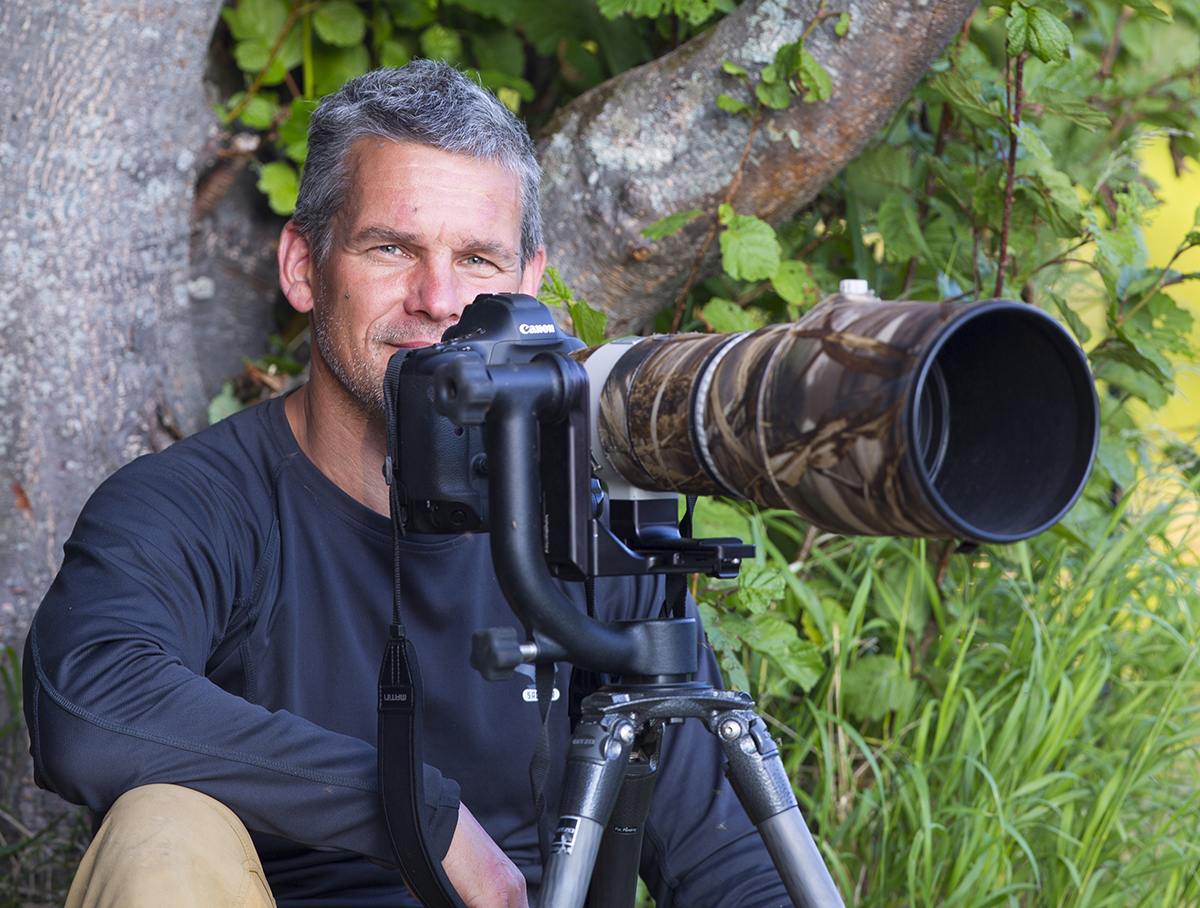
(614,881)
(762,786)
(596,765)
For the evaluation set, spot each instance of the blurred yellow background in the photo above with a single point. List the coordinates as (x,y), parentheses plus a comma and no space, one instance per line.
(1171,223)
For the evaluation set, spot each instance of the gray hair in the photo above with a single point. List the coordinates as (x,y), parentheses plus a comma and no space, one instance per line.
(424,102)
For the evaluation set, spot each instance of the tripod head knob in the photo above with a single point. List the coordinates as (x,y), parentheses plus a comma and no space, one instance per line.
(495,652)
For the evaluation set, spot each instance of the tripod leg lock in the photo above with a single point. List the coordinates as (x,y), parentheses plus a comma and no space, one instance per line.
(755,769)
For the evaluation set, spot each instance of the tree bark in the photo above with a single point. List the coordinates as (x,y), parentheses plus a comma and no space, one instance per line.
(652,142)
(102,118)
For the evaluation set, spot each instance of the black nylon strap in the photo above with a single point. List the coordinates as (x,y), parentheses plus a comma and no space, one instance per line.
(539,765)
(401,714)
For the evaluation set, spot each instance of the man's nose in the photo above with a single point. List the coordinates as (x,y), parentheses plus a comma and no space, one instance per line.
(437,295)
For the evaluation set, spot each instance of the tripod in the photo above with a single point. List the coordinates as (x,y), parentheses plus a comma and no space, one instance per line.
(610,779)
(614,747)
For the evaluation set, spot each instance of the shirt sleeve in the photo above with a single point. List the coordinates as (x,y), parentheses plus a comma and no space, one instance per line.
(155,576)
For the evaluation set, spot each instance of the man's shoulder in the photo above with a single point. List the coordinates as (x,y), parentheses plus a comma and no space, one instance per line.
(232,463)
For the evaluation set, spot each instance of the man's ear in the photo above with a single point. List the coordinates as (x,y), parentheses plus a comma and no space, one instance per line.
(296,268)
(531,276)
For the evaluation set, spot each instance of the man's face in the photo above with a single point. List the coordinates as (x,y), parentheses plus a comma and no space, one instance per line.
(423,232)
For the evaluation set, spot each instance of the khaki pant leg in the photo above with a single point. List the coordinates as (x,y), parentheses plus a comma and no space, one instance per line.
(166,845)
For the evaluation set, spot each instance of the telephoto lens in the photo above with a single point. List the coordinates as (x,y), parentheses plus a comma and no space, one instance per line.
(972,421)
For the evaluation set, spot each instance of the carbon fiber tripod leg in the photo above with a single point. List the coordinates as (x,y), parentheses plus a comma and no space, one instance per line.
(596,763)
(758,777)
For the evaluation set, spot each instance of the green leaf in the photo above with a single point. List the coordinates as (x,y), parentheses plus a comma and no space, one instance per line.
(843,25)
(333,66)
(734,70)
(799,660)
(260,20)
(340,23)
(794,282)
(503,51)
(732,105)
(498,81)
(1149,9)
(895,220)
(1138,383)
(1018,30)
(554,290)
(750,249)
(716,518)
(224,404)
(967,97)
(726,645)
(441,43)
(1070,107)
(281,184)
(295,127)
(1048,36)
(397,51)
(672,223)
(589,323)
(726,317)
(814,77)
(696,12)
(413,14)
(1113,454)
(1081,331)
(759,586)
(775,95)
(293,132)
(876,685)
(260,112)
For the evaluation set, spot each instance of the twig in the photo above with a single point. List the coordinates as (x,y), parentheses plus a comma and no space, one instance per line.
(1015,85)
(1114,47)
(262,73)
(944,564)
(805,547)
(681,301)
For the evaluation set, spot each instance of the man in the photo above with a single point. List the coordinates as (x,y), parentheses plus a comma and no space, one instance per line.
(205,662)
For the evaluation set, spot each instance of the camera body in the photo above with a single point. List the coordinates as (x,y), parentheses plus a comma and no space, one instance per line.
(443,467)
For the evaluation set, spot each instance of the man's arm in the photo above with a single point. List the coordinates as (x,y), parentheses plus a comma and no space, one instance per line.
(156,577)
(481,873)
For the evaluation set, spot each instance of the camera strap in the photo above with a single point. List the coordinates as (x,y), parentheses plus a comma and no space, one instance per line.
(401,712)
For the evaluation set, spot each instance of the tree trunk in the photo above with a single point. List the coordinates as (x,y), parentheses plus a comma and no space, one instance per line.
(102,118)
(652,142)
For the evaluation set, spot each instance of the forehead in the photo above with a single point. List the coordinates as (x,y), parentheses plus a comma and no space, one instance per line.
(405,182)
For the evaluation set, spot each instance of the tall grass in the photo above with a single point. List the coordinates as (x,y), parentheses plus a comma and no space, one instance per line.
(1022,733)
(36,866)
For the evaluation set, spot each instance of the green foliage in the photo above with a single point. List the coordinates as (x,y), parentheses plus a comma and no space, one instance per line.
(589,323)
(672,223)
(1013,726)
(534,54)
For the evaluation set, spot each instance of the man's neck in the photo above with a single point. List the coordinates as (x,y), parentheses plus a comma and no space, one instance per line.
(345,443)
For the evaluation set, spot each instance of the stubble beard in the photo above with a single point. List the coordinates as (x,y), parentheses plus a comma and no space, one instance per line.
(358,376)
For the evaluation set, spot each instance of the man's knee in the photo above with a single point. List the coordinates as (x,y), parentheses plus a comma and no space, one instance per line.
(170,845)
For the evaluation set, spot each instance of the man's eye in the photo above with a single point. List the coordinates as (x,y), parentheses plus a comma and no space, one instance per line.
(389,249)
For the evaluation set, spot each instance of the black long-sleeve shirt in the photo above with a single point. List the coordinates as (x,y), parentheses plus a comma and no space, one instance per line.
(219,622)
